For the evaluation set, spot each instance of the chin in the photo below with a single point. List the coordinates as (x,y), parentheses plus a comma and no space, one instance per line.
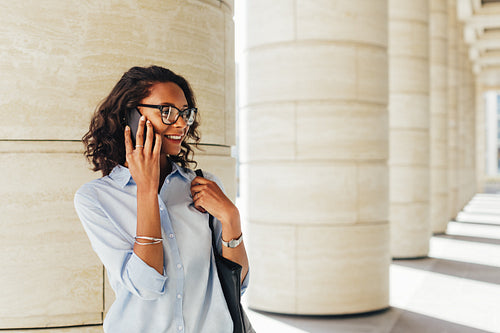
(171,152)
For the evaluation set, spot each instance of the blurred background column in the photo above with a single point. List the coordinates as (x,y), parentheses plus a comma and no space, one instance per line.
(480,136)
(466,124)
(58,61)
(439,114)
(453,77)
(314,155)
(409,127)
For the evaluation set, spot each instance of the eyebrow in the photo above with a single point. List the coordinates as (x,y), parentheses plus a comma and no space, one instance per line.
(172,104)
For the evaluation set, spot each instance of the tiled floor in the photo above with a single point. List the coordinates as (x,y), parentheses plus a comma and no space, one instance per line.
(456,289)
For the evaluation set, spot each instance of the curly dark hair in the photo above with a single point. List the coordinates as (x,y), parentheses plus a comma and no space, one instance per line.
(105,141)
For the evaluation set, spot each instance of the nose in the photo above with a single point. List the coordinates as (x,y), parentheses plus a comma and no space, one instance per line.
(180,123)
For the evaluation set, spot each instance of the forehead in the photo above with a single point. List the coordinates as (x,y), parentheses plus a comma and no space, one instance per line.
(166,92)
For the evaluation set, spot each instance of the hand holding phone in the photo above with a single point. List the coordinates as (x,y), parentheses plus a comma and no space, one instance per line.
(142,154)
(133,117)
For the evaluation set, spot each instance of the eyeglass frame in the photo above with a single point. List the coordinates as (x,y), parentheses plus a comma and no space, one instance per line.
(179,112)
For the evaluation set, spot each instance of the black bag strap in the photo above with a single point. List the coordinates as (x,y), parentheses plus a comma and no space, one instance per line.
(199,173)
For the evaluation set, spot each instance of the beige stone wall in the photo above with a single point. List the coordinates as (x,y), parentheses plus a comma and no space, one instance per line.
(439,115)
(58,60)
(409,121)
(314,173)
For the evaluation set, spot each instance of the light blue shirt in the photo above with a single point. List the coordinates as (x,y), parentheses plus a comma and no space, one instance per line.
(187,297)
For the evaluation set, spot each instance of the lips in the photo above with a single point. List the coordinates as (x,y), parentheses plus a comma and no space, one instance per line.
(174,137)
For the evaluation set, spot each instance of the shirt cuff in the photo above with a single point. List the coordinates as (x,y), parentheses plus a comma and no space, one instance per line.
(148,283)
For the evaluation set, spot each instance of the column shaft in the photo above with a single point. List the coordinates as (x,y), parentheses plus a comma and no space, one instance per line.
(61,59)
(453,79)
(480,137)
(409,127)
(314,153)
(439,114)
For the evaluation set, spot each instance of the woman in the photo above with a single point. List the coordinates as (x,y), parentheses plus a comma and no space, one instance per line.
(146,217)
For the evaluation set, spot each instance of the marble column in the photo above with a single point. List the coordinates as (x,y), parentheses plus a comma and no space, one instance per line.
(452,110)
(439,115)
(480,137)
(59,59)
(314,155)
(409,121)
(471,134)
(465,152)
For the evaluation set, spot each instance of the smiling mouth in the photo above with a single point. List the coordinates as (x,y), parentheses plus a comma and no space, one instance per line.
(174,137)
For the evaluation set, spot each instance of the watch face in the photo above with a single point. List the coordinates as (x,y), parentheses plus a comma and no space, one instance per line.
(233,242)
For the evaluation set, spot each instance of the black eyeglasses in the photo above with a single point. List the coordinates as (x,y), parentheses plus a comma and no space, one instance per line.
(170,114)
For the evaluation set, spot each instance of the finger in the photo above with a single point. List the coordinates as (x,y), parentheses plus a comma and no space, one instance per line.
(200,209)
(199,181)
(157,146)
(128,141)
(198,206)
(139,138)
(148,143)
(197,189)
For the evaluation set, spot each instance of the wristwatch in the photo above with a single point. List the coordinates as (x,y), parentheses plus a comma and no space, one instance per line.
(233,242)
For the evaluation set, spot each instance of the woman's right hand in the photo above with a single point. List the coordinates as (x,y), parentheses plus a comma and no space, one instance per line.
(143,160)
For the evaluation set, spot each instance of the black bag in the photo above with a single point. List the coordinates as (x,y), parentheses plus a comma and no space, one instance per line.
(229,274)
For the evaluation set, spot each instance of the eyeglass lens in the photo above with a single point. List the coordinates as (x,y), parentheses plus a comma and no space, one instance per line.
(170,115)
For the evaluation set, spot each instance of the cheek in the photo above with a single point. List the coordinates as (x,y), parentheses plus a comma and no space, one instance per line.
(164,143)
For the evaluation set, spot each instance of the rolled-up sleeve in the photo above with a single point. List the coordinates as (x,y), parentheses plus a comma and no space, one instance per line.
(115,250)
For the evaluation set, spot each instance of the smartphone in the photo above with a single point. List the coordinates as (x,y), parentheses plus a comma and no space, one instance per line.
(133,117)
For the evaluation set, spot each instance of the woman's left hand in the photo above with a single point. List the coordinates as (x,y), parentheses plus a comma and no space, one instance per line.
(208,197)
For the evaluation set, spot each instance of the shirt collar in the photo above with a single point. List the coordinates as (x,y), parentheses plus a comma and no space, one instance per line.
(120,175)
(182,171)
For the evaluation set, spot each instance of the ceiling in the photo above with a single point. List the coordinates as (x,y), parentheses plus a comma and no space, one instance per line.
(481,20)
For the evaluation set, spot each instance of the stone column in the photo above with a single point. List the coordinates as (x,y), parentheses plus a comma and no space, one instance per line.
(59,59)
(314,155)
(409,127)
(480,137)
(471,134)
(452,110)
(491,132)
(439,114)
(465,111)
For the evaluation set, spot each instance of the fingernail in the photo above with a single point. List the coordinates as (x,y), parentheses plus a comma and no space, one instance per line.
(149,123)
(127,128)
(142,118)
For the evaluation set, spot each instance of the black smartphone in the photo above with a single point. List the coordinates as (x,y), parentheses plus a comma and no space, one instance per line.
(133,117)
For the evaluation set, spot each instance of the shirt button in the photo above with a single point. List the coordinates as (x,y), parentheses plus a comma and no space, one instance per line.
(171,236)
(179,296)
(168,181)
(179,328)
(161,208)
(179,266)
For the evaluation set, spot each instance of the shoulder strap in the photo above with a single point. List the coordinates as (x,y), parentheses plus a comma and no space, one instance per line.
(199,173)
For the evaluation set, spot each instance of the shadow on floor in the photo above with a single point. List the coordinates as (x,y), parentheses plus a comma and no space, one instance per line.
(482,240)
(392,320)
(460,269)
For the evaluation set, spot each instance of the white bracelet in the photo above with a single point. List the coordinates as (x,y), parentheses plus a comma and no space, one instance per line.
(152,243)
(148,238)
(152,239)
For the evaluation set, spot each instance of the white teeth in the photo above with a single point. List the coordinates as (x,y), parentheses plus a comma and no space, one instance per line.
(174,137)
